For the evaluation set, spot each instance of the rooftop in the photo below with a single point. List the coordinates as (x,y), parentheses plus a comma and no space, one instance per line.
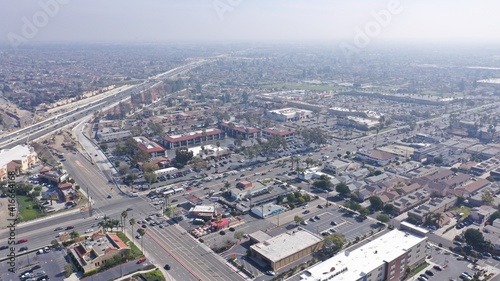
(18,152)
(363,260)
(193,135)
(286,244)
(148,145)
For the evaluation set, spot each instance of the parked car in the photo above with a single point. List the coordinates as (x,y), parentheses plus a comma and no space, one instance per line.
(141,260)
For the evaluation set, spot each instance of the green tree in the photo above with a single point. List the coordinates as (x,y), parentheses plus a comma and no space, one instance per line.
(183,155)
(388,208)
(199,164)
(298,219)
(150,178)
(494,216)
(104,146)
(376,203)
(474,237)
(132,223)
(129,179)
(487,197)
(74,235)
(123,169)
(334,242)
(238,235)
(123,217)
(438,160)
(343,189)
(68,269)
(383,218)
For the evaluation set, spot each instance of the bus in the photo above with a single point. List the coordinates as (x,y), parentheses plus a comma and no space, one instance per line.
(177,190)
(168,192)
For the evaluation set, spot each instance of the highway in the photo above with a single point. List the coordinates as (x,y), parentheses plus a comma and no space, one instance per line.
(48,126)
(184,253)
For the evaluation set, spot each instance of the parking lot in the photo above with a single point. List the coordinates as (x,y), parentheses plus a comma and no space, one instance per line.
(453,265)
(52,263)
(335,220)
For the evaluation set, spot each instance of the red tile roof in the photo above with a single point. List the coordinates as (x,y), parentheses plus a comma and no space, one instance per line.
(277,132)
(117,240)
(240,129)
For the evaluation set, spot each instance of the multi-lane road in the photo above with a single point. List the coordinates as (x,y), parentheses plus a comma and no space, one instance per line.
(169,245)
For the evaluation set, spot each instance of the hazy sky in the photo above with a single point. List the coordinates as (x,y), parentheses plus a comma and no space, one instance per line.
(252,20)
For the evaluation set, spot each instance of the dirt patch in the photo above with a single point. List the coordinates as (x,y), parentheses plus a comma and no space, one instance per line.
(4,212)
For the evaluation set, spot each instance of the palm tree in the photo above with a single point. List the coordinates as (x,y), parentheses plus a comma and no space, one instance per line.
(74,235)
(123,217)
(101,225)
(293,159)
(438,218)
(132,223)
(428,218)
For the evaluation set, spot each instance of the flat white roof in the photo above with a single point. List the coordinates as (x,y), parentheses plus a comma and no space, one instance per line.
(286,244)
(202,209)
(166,170)
(18,152)
(365,259)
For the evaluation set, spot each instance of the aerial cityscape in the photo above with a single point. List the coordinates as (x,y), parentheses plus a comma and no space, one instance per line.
(249,140)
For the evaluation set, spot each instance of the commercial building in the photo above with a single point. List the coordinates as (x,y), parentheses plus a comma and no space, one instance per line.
(149,146)
(288,114)
(93,253)
(360,123)
(268,132)
(376,157)
(374,261)
(248,190)
(20,158)
(267,210)
(193,138)
(112,134)
(286,248)
(337,166)
(235,131)
(203,211)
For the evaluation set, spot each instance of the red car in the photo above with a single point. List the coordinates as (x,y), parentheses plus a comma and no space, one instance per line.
(141,260)
(22,240)
(70,227)
(189,188)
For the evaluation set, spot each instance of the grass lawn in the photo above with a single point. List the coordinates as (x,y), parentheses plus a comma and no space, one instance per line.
(136,253)
(28,210)
(154,275)
(465,210)
(418,269)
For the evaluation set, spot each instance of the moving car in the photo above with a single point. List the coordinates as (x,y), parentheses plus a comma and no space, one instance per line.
(24,240)
(70,227)
(167,267)
(141,260)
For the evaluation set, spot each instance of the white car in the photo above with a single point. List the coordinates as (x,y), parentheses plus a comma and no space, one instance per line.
(89,230)
(270,272)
